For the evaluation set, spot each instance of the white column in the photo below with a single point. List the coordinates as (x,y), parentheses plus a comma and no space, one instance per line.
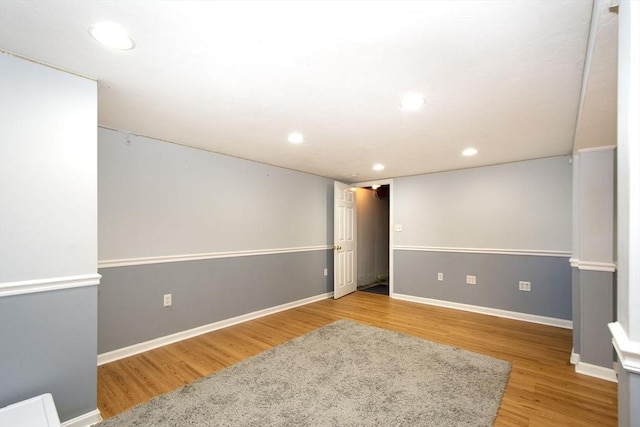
(626,331)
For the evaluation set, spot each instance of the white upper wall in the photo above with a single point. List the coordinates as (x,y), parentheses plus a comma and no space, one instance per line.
(594,213)
(522,206)
(161,199)
(48,162)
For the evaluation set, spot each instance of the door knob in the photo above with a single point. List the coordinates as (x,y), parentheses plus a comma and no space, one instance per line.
(337,247)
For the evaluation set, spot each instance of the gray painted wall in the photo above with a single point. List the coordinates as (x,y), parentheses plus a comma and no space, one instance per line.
(47,232)
(130,307)
(629,385)
(575,308)
(162,199)
(519,206)
(48,345)
(497,276)
(373,236)
(593,247)
(596,311)
(383,211)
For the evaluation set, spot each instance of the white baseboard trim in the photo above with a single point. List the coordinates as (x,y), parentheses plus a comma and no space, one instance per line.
(86,420)
(50,284)
(121,353)
(596,371)
(532,318)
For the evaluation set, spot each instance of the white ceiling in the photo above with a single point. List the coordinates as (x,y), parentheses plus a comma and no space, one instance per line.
(505,77)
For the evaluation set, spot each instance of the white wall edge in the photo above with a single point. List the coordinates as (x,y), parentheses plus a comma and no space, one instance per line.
(628,351)
(45,285)
(88,419)
(609,267)
(607,374)
(213,255)
(121,353)
(531,318)
(530,252)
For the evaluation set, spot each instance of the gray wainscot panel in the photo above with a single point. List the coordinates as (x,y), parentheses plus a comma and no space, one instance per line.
(131,308)
(497,276)
(49,346)
(629,392)
(596,311)
(575,280)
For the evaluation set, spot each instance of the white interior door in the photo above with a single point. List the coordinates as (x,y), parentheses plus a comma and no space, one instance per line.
(344,240)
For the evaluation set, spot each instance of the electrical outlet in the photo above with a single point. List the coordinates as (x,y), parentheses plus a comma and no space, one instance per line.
(440,277)
(471,280)
(524,286)
(167,300)
(325,272)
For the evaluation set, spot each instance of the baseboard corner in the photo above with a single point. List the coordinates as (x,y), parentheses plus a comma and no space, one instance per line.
(607,374)
(575,358)
(85,420)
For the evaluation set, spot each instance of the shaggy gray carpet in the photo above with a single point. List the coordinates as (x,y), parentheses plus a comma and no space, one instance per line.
(344,374)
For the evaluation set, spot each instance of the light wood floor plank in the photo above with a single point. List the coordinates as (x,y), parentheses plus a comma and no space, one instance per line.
(543,389)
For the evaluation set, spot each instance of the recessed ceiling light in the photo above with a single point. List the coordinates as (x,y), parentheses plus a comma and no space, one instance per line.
(378,167)
(412,102)
(112,35)
(295,138)
(469,152)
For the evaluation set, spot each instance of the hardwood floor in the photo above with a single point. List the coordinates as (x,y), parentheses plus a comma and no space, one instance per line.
(543,389)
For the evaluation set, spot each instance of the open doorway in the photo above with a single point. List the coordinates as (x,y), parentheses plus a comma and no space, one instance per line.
(373,219)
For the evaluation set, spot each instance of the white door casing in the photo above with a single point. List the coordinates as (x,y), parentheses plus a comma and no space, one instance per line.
(344,240)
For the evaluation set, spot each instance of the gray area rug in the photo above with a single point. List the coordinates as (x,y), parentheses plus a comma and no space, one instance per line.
(344,374)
